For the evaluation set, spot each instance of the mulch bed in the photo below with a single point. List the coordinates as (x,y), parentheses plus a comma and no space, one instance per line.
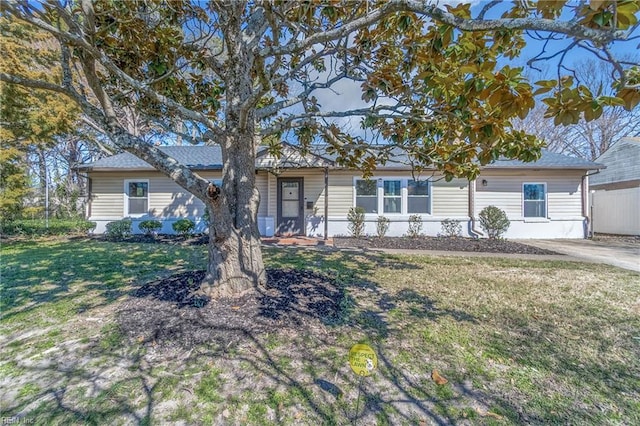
(419,243)
(440,244)
(168,312)
(191,240)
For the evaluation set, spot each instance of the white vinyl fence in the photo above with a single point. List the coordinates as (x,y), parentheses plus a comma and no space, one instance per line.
(616,211)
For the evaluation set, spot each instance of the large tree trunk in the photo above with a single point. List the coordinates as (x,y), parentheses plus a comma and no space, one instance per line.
(235,257)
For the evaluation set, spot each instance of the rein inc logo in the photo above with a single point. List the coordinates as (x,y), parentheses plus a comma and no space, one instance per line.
(17,421)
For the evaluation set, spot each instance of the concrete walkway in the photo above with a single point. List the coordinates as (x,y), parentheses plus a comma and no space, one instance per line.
(622,254)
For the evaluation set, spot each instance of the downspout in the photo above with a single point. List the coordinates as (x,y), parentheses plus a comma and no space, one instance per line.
(588,225)
(474,231)
(326,203)
(89,198)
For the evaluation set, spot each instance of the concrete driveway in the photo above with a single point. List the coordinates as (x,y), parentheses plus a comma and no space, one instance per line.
(623,253)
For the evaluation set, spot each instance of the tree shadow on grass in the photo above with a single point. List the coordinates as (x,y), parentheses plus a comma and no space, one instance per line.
(298,305)
(284,348)
(80,275)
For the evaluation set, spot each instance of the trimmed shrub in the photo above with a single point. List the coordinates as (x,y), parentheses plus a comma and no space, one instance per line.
(451,228)
(415,226)
(183,227)
(149,226)
(38,227)
(85,226)
(382,226)
(494,221)
(356,221)
(118,229)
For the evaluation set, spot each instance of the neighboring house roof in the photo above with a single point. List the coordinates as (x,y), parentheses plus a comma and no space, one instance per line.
(210,158)
(623,165)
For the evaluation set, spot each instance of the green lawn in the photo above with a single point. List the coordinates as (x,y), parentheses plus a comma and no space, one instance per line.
(519,342)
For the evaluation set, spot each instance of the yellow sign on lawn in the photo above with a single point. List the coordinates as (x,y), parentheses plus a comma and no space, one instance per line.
(362,359)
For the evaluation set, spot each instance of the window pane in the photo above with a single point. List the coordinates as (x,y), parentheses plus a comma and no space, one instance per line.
(420,187)
(366,187)
(137,205)
(369,204)
(290,208)
(392,187)
(392,204)
(290,191)
(418,205)
(534,192)
(534,209)
(138,189)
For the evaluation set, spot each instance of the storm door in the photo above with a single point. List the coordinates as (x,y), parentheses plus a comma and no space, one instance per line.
(290,206)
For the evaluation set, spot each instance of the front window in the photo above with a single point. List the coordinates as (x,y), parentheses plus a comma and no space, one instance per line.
(392,196)
(395,196)
(137,197)
(534,200)
(366,195)
(418,196)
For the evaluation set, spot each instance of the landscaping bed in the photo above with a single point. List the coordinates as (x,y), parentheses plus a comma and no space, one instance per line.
(417,243)
(440,244)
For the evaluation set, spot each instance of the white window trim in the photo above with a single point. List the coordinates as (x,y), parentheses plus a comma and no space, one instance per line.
(404,192)
(546,203)
(126,198)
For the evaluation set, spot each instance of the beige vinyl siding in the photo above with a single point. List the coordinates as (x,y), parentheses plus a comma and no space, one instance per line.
(450,199)
(166,198)
(340,193)
(505,191)
(107,195)
(262,185)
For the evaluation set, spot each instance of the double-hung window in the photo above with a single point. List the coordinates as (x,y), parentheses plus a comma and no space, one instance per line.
(418,196)
(367,195)
(136,197)
(534,200)
(393,196)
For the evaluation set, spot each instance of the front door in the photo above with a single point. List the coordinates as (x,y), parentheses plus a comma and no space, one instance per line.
(290,206)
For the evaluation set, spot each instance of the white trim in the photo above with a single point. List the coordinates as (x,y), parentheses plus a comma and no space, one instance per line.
(546,202)
(125,208)
(404,196)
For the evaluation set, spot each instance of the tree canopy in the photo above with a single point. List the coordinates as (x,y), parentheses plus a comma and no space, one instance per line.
(31,119)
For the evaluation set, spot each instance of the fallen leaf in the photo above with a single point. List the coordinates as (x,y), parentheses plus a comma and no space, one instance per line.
(438,378)
(488,414)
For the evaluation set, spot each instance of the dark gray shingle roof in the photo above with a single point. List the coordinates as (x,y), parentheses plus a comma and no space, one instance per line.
(194,157)
(210,158)
(548,160)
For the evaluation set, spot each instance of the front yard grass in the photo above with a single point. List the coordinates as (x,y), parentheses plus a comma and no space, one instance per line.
(520,341)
